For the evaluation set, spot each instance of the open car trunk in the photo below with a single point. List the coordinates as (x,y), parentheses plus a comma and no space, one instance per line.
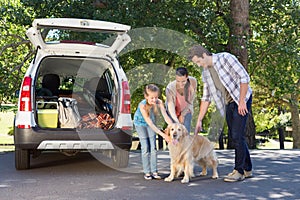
(83,87)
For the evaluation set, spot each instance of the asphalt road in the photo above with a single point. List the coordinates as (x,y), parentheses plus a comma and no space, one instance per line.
(83,177)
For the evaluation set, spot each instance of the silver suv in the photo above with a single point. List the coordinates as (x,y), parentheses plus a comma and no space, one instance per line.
(74,74)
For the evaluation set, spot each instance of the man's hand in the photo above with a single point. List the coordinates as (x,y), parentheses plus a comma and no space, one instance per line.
(242,109)
(198,127)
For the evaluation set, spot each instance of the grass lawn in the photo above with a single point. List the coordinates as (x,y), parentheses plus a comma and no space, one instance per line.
(274,144)
(6,121)
(6,124)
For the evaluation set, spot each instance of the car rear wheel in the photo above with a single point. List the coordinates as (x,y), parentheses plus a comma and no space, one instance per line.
(22,159)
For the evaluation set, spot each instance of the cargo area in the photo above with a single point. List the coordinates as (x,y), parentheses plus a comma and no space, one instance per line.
(75,93)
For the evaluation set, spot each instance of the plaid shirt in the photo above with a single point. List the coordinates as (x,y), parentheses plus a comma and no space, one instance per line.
(231,73)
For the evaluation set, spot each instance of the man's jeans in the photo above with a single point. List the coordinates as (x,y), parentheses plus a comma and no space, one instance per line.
(237,129)
(148,148)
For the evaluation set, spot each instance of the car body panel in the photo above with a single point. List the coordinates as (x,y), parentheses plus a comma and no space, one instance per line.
(80,24)
(35,36)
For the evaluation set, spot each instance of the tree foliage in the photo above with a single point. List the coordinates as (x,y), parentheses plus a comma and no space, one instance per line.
(274,58)
(15,49)
(275,47)
(273,42)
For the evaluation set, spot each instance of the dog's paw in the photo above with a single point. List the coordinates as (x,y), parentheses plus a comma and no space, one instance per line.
(203,173)
(216,176)
(169,179)
(185,180)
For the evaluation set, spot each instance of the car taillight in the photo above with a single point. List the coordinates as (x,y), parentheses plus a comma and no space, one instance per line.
(25,97)
(125,98)
(126,128)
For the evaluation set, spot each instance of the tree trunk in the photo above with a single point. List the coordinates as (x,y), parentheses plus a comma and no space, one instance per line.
(239,30)
(280,131)
(237,44)
(294,105)
(281,137)
(250,131)
(221,140)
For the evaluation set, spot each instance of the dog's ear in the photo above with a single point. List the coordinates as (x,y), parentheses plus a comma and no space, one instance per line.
(184,130)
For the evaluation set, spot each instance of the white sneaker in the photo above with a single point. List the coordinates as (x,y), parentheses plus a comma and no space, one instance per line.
(156,176)
(234,176)
(147,177)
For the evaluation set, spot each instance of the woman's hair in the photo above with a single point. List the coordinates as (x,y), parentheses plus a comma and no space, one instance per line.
(151,88)
(198,50)
(182,71)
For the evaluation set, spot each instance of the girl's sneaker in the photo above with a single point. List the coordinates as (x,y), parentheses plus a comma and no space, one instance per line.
(156,176)
(147,177)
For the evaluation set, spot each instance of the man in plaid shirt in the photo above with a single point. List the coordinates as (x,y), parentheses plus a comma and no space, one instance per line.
(226,81)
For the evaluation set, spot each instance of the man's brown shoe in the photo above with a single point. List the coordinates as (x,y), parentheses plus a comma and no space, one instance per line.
(234,176)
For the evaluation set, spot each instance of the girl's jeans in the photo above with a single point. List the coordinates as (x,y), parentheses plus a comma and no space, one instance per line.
(237,129)
(148,148)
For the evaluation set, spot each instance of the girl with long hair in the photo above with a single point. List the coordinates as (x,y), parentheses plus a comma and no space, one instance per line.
(144,119)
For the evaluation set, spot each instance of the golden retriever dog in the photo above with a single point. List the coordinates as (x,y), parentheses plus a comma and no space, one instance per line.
(185,150)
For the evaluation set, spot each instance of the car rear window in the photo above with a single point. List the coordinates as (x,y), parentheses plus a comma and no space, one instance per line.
(77,36)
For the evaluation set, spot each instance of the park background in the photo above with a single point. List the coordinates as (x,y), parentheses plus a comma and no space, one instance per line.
(264,35)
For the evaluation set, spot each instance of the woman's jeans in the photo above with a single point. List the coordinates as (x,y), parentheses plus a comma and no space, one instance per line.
(187,122)
(237,130)
(148,148)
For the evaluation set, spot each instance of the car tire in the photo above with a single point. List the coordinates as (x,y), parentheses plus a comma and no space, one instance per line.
(120,158)
(22,159)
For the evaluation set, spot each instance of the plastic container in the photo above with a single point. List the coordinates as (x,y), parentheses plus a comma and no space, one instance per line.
(48,118)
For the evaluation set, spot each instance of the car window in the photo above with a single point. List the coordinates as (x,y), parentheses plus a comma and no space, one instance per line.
(72,36)
(109,80)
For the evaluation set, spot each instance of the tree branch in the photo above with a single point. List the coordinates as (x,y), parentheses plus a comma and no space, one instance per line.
(19,66)
(13,45)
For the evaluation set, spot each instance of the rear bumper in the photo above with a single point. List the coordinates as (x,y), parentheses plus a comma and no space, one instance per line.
(43,139)
(74,145)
